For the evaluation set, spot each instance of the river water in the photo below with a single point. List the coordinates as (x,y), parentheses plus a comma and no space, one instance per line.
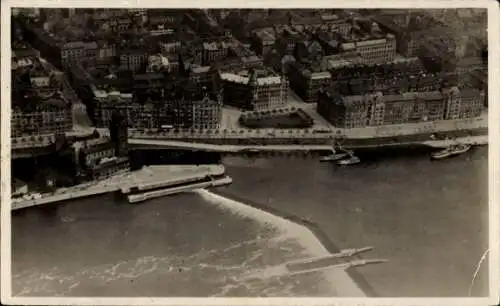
(429,219)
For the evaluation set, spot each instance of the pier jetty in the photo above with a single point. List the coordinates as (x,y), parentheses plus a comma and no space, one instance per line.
(165,175)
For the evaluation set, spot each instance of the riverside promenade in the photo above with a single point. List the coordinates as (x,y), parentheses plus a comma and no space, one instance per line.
(369,132)
(161,144)
(124,181)
(471,140)
(238,140)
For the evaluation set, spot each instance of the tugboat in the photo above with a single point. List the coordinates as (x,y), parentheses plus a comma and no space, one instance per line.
(451,151)
(352,160)
(334,156)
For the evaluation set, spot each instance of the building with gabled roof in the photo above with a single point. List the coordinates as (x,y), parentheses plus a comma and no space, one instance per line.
(253,89)
(375,108)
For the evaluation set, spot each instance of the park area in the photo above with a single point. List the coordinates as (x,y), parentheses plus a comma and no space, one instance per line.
(286,118)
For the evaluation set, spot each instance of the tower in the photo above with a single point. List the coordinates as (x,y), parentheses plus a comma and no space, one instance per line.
(253,84)
(118,131)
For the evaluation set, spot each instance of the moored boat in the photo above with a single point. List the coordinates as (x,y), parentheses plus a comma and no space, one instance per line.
(460,149)
(441,154)
(352,160)
(333,157)
(451,151)
(336,155)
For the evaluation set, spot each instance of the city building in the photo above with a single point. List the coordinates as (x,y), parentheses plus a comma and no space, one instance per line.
(207,111)
(106,49)
(277,61)
(438,54)
(169,44)
(133,59)
(189,106)
(263,40)
(306,80)
(285,43)
(173,63)
(334,24)
(376,109)
(90,155)
(472,102)
(401,75)
(246,56)
(157,63)
(39,117)
(22,55)
(38,107)
(77,51)
(408,35)
(213,52)
(106,102)
(247,90)
(156,101)
(105,159)
(61,43)
(308,50)
(373,50)
(203,77)
(329,41)
(400,17)
(148,86)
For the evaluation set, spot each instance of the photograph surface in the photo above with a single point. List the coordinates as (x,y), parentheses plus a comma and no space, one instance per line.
(249,152)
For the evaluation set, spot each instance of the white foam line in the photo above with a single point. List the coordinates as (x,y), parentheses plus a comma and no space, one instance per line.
(299,231)
(341,282)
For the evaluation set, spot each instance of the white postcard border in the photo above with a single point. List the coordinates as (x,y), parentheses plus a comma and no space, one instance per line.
(493,149)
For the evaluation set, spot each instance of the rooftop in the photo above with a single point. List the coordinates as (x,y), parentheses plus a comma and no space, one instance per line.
(244,79)
(266,34)
(215,45)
